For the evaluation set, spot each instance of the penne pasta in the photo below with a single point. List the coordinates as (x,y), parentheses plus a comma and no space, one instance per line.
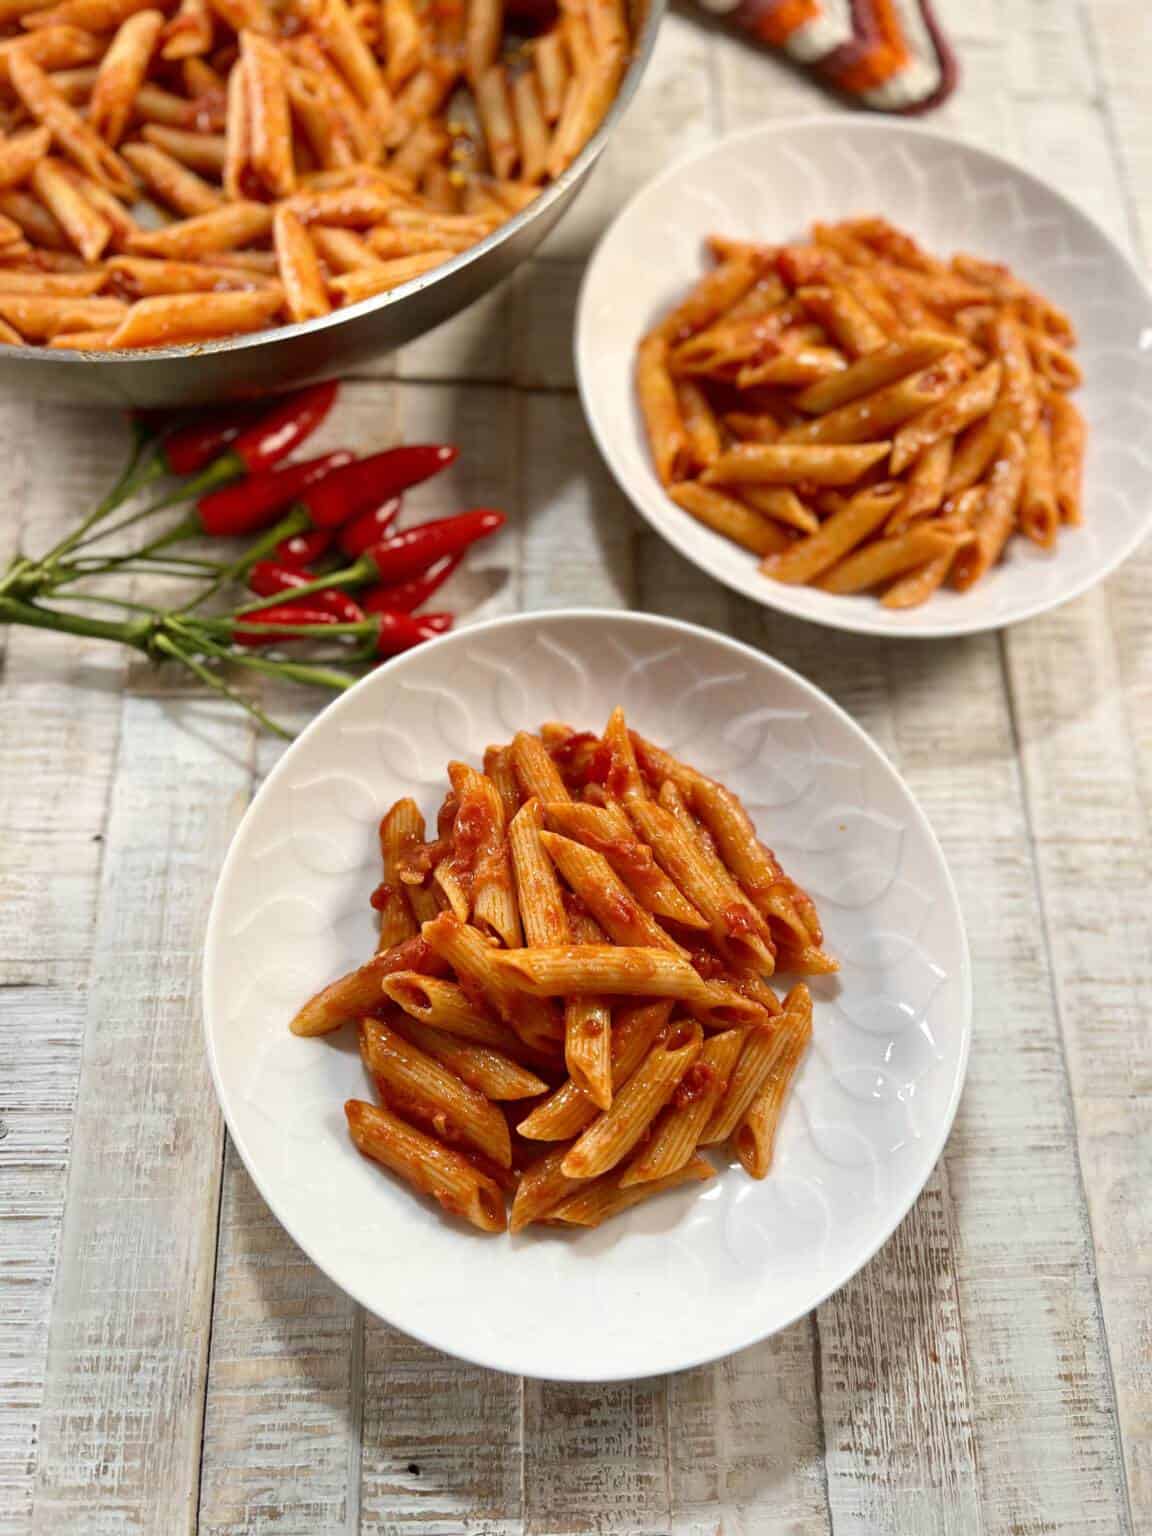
(70,133)
(608,1196)
(268,131)
(884,409)
(538,890)
(405,45)
(1067,457)
(906,355)
(358,993)
(879,562)
(992,525)
(678,1130)
(754,1138)
(789,463)
(122,72)
(172,182)
(844,317)
(842,532)
(171,318)
(305,293)
(550,60)
(661,409)
(474,959)
(431,1168)
(541,1188)
(759,1054)
(606,829)
(222,229)
(1039,517)
(967,403)
(535,770)
(87,229)
(20,154)
(607,898)
(726,515)
(447,1008)
(189,33)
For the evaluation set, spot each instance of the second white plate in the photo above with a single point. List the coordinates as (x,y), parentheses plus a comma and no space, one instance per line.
(695,1274)
(769,184)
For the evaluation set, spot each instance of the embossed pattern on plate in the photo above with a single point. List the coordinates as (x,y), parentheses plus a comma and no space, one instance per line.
(769,184)
(695,1274)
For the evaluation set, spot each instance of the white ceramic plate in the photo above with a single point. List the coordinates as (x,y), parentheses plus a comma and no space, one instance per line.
(769,184)
(697,1273)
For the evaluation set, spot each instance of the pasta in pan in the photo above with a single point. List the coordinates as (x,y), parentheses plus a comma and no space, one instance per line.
(571,997)
(862,415)
(217,168)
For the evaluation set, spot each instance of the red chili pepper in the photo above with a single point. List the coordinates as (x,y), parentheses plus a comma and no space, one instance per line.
(369,528)
(279,429)
(267,578)
(252,504)
(413,550)
(406,596)
(303,548)
(189,448)
(373,480)
(292,614)
(401,631)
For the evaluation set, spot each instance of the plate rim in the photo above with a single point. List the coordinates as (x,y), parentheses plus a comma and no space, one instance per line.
(545,617)
(868,623)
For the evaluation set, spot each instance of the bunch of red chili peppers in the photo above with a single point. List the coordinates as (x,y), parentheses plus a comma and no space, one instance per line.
(324,562)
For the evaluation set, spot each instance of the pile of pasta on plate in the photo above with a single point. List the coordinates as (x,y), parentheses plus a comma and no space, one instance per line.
(175,174)
(864,415)
(573,993)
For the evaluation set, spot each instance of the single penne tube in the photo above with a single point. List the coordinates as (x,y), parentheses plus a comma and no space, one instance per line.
(80,341)
(840,534)
(885,559)
(343,250)
(71,134)
(608,1196)
(788,910)
(415,1085)
(237,170)
(737,929)
(487,1070)
(1052,362)
(498,767)
(358,993)
(122,72)
(37,318)
(52,284)
(90,15)
(387,244)
(189,33)
(542,1186)
(473,958)
(405,45)
(493,888)
(588,1029)
(967,403)
(305,293)
(87,229)
(878,413)
(538,890)
(910,590)
(623,772)
(425,145)
(905,355)
(269,117)
(154,104)
(173,183)
(55,48)
(169,319)
(607,898)
(705,442)
(31,216)
(532,131)
(978,446)
(754,1138)
(619,971)
(610,1138)
(713,295)
(447,1008)
(426,1164)
(667,436)
(793,366)
(137,277)
(552,71)
(355,61)
(993,525)
(762,1046)
(399,827)
(789,463)
(926,485)
(223,229)
(679,1128)
(568,1111)
(483,33)
(844,317)
(726,515)
(1039,516)
(21,153)
(781,503)
(535,770)
(607,830)
(367,282)
(325,130)
(1011,349)
(1067,427)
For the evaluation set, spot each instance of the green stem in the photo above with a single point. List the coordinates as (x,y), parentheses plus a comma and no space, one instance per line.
(296,672)
(131,480)
(293,523)
(351,576)
(136,633)
(168,648)
(362,630)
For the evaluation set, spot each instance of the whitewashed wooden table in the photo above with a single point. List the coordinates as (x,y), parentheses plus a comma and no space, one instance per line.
(170,1362)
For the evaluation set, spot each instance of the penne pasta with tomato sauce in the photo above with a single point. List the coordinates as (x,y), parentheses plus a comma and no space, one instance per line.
(829,404)
(582,957)
(436,126)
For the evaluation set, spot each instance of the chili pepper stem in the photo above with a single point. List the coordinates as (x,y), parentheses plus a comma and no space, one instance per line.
(294,522)
(354,575)
(167,648)
(137,633)
(188,529)
(297,672)
(131,480)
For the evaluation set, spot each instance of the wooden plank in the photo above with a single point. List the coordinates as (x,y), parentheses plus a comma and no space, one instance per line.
(746,1442)
(441,1445)
(121,1423)
(281,1432)
(40,1031)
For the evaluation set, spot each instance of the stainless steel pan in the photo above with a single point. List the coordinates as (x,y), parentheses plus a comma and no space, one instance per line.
(336,343)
